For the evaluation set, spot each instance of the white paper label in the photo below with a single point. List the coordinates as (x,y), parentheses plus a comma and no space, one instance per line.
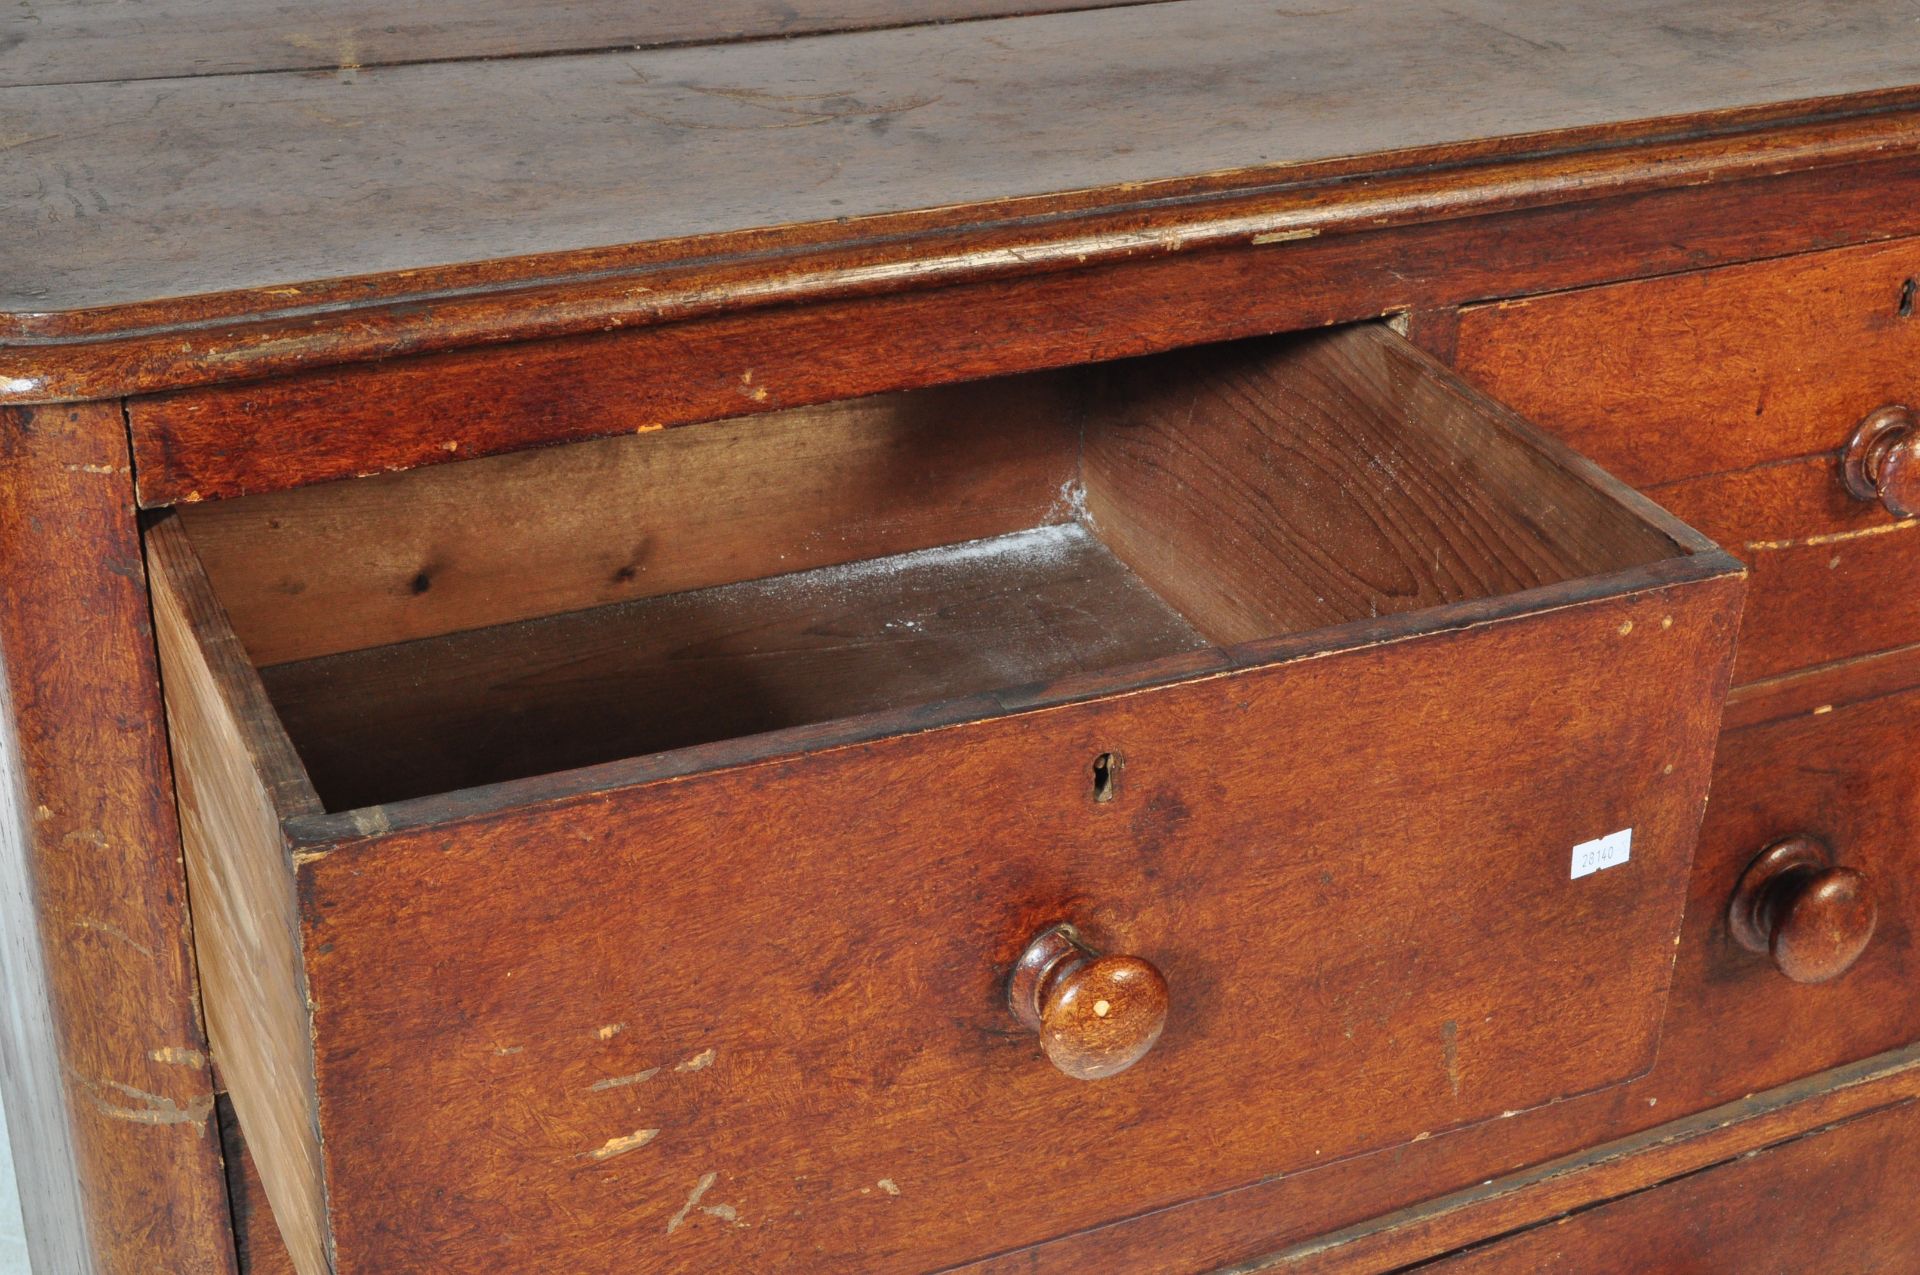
(1609,851)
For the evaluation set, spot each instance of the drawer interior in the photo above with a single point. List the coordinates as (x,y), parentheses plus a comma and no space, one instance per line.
(1385,671)
(717,663)
(500,618)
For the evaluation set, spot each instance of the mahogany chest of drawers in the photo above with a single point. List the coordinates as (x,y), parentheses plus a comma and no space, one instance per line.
(917,636)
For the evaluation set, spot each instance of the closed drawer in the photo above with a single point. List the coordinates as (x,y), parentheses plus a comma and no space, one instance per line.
(678,931)
(1823,767)
(1730,396)
(1838,1201)
(1831,577)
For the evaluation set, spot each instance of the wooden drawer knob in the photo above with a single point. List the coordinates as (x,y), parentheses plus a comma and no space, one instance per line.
(1812,917)
(1880,462)
(1096,1015)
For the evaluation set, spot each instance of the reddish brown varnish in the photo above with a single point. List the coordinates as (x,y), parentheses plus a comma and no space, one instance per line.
(1384,547)
(1813,917)
(1828,570)
(270,348)
(1878,461)
(108,1090)
(985,126)
(1735,1027)
(1839,1199)
(369,417)
(1660,380)
(1096,1015)
(1752,401)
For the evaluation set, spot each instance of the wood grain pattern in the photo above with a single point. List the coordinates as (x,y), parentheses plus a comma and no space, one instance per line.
(1103,1018)
(1060,310)
(1812,917)
(1730,394)
(1771,181)
(1313,482)
(1834,1200)
(802,1081)
(1845,777)
(76,42)
(1707,372)
(1096,1013)
(1831,575)
(1400,1240)
(1168,868)
(1606,1171)
(1824,687)
(1877,463)
(463,546)
(988,284)
(108,1095)
(415,168)
(257,1241)
(523,700)
(1827,755)
(1268,493)
(238,778)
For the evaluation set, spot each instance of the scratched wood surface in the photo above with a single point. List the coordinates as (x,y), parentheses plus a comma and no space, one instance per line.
(1831,577)
(1276,487)
(1728,395)
(1610,1170)
(238,778)
(403,412)
(1816,751)
(1288,447)
(1819,750)
(224,184)
(746,1136)
(108,1094)
(781,1086)
(1125,311)
(89,42)
(1843,773)
(1824,686)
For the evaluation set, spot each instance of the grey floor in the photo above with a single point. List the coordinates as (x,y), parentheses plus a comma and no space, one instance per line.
(13,1243)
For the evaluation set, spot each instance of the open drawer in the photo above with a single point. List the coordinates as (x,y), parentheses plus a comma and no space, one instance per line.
(616,857)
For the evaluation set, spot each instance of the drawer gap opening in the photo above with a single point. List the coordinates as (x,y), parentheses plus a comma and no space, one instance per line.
(506,617)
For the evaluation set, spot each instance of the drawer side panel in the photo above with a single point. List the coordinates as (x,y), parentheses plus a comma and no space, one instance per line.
(237,776)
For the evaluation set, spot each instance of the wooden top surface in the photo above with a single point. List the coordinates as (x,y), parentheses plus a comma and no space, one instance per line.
(96,41)
(206,161)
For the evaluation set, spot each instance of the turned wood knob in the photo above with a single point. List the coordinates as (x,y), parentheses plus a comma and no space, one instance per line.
(1812,917)
(1096,1015)
(1880,462)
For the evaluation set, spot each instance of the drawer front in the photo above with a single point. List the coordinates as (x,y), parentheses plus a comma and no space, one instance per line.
(1382,827)
(1712,371)
(1845,778)
(1839,1202)
(1729,396)
(1826,755)
(1831,576)
(757,1019)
